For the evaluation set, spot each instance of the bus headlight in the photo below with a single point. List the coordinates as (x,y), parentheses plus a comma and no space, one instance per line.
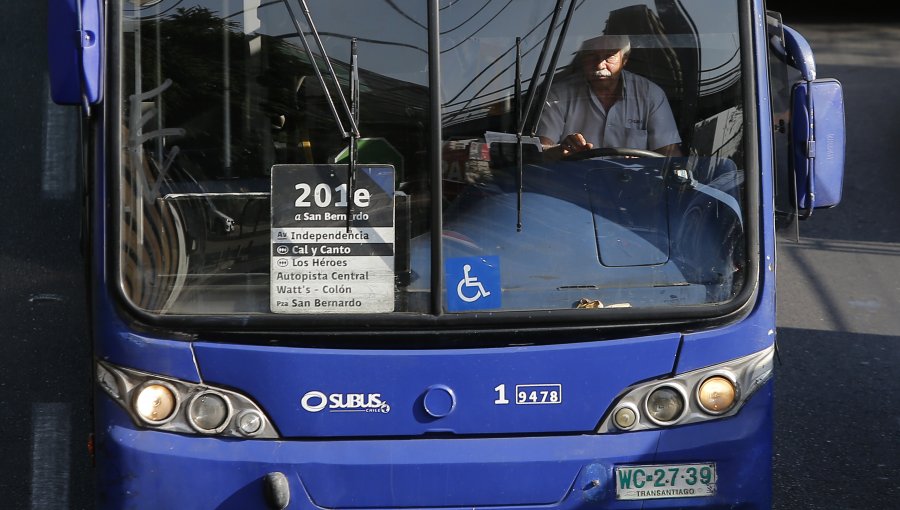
(716,395)
(164,403)
(209,412)
(250,422)
(665,405)
(625,417)
(706,394)
(155,402)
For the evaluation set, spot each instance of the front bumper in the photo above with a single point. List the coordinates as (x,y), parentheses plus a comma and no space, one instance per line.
(147,469)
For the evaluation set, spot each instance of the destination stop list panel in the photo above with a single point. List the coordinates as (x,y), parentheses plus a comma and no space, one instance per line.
(332,240)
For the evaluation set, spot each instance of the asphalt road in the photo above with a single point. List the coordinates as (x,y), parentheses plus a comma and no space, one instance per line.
(838,390)
(838,424)
(44,347)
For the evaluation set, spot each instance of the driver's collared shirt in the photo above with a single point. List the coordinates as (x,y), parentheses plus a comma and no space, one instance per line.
(641,119)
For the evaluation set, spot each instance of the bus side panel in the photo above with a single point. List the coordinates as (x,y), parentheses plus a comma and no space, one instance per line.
(753,334)
(166,357)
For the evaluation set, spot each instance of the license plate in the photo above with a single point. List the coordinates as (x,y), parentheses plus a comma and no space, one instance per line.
(665,481)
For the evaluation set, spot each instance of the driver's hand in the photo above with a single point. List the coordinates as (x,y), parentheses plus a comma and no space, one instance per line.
(575,143)
(571,144)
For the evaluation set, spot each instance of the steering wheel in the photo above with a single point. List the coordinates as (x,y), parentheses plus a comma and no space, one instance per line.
(606,152)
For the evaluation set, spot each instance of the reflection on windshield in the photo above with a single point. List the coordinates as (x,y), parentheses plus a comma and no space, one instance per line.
(653,216)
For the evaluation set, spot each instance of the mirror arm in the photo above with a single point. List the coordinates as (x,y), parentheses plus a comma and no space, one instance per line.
(799,53)
(800,56)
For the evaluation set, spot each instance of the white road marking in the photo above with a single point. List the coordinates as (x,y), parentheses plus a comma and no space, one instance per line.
(51,429)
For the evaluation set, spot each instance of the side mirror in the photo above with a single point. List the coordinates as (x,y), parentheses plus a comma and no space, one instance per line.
(817,133)
(75,34)
(818,140)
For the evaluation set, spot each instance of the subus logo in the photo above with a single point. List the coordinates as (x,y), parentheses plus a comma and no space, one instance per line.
(315,401)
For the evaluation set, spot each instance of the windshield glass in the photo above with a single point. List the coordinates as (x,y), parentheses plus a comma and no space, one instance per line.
(240,120)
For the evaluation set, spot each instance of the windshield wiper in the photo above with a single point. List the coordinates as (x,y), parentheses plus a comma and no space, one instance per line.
(536,75)
(523,116)
(551,70)
(354,130)
(352,114)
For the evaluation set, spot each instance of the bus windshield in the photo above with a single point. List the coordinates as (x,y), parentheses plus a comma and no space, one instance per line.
(591,157)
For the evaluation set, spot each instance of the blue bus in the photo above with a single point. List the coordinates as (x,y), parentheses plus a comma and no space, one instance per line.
(335,262)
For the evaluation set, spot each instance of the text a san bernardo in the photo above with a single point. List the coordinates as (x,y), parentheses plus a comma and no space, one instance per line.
(329,216)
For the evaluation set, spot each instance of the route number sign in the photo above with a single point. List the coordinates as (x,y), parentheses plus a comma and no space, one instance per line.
(332,244)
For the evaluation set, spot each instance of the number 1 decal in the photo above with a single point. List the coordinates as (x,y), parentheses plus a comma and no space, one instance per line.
(501,395)
(531,394)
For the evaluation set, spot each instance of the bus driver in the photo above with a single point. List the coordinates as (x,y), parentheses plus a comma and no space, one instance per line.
(599,104)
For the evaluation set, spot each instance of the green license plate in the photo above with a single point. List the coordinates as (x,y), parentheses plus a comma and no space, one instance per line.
(665,481)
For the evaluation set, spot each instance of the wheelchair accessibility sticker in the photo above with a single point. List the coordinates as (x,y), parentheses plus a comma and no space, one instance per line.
(473,283)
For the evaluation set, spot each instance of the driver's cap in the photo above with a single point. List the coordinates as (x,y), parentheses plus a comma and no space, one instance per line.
(606,43)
